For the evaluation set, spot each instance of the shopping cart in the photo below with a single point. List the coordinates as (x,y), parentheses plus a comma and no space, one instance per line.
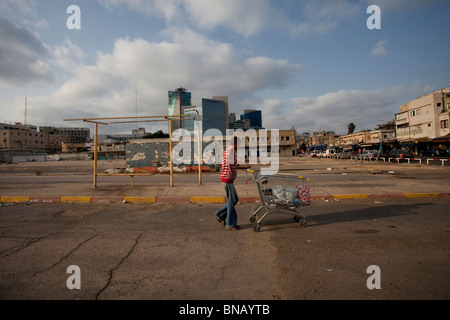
(280,193)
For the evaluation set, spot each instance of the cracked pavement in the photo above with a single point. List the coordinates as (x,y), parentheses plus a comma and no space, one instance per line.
(179,251)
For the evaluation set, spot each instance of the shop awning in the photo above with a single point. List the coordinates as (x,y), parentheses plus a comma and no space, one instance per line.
(445,138)
(317,147)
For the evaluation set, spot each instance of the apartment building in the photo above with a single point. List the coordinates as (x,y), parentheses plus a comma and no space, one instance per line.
(21,138)
(324,138)
(287,145)
(425,118)
(55,138)
(366,139)
(444,115)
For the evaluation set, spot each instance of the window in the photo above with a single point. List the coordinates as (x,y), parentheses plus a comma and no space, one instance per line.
(444,124)
(413,113)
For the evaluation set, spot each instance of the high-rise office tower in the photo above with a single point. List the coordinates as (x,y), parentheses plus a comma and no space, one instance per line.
(177,99)
(214,115)
(255,117)
(225,100)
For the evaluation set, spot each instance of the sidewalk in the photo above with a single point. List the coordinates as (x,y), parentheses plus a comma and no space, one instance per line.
(330,179)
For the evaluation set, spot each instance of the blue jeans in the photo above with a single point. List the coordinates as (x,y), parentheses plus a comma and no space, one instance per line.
(228,212)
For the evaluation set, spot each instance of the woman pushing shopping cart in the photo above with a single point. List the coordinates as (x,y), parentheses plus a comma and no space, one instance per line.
(280,193)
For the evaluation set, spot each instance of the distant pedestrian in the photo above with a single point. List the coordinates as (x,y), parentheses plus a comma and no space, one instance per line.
(227,214)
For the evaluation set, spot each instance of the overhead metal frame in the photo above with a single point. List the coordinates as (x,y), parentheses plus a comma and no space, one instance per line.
(168,118)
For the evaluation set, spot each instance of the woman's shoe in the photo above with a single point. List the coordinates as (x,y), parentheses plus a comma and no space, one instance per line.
(220,220)
(232,228)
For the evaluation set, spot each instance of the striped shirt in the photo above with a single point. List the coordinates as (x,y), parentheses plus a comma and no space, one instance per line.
(228,173)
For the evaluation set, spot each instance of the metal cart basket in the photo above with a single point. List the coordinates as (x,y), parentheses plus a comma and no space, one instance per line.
(280,193)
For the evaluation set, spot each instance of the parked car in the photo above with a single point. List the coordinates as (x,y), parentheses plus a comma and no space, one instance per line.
(368,153)
(329,152)
(321,154)
(399,153)
(344,155)
(433,153)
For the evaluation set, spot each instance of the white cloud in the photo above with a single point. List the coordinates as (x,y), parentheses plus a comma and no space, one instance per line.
(379,50)
(419,89)
(335,110)
(203,66)
(323,16)
(243,17)
(275,114)
(67,56)
(22,56)
(246,18)
(25,7)
(168,8)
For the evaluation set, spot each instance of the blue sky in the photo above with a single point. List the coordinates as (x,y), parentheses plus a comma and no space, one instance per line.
(309,64)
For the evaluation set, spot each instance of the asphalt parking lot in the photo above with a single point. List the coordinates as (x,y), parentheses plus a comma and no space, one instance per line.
(56,232)
(179,251)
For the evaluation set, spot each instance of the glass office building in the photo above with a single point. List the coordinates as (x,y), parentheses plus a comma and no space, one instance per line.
(177,99)
(212,115)
(255,117)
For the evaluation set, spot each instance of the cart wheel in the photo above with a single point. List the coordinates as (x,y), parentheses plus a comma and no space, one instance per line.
(303,222)
(252,219)
(296,218)
(257,228)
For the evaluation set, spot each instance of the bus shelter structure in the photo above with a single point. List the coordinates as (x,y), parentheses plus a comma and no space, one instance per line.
(122,120)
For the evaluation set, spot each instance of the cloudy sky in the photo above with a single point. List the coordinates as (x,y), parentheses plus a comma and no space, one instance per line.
(311,64)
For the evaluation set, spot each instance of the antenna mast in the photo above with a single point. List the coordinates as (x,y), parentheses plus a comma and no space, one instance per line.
(25,116)
(136,111)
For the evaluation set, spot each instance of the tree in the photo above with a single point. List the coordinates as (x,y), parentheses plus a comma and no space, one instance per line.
(351,127)
(157,134)
(303,147)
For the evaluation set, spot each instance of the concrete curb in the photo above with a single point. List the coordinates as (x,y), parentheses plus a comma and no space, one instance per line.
(200,199)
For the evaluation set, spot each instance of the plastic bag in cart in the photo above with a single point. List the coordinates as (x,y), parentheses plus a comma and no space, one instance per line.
(278,192)
(291,194)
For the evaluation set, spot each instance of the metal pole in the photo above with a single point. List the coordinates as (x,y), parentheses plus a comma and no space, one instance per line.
(199,149)
(95,154)
(170,151)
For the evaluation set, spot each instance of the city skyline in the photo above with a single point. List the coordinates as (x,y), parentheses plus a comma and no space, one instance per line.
(305,64)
